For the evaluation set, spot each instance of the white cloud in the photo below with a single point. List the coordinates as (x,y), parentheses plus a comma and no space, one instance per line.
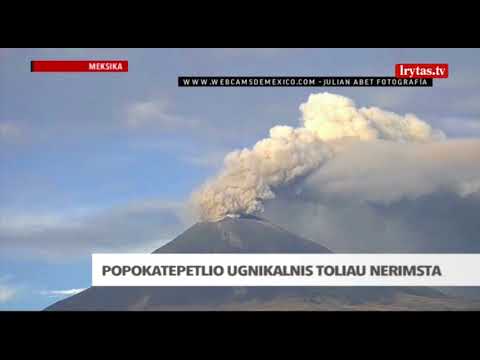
(144,112)
(55,293)
(37,222)
(156,113)
(141,226)
(7,292)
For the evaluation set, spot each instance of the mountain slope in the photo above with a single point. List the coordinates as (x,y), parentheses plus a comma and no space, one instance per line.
(245,234)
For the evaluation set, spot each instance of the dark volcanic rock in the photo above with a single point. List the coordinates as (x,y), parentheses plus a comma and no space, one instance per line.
(240,235)
(244,234)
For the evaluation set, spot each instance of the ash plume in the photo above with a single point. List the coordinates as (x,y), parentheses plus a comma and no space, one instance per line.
(332,117)
(329,124)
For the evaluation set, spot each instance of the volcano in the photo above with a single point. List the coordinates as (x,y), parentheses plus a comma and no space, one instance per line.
(242,234)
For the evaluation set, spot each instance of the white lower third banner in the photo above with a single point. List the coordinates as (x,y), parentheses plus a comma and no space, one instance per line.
(286,269)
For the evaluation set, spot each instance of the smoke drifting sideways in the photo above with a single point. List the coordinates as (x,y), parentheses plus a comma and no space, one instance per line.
(381,196)
(330,125)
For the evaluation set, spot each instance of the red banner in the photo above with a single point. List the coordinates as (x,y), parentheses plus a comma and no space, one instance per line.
(79,66)
(421,71)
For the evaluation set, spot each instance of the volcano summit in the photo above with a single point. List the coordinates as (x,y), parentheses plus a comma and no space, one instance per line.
(244,234)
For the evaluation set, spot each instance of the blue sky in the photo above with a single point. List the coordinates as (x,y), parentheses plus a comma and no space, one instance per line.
(104,161)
